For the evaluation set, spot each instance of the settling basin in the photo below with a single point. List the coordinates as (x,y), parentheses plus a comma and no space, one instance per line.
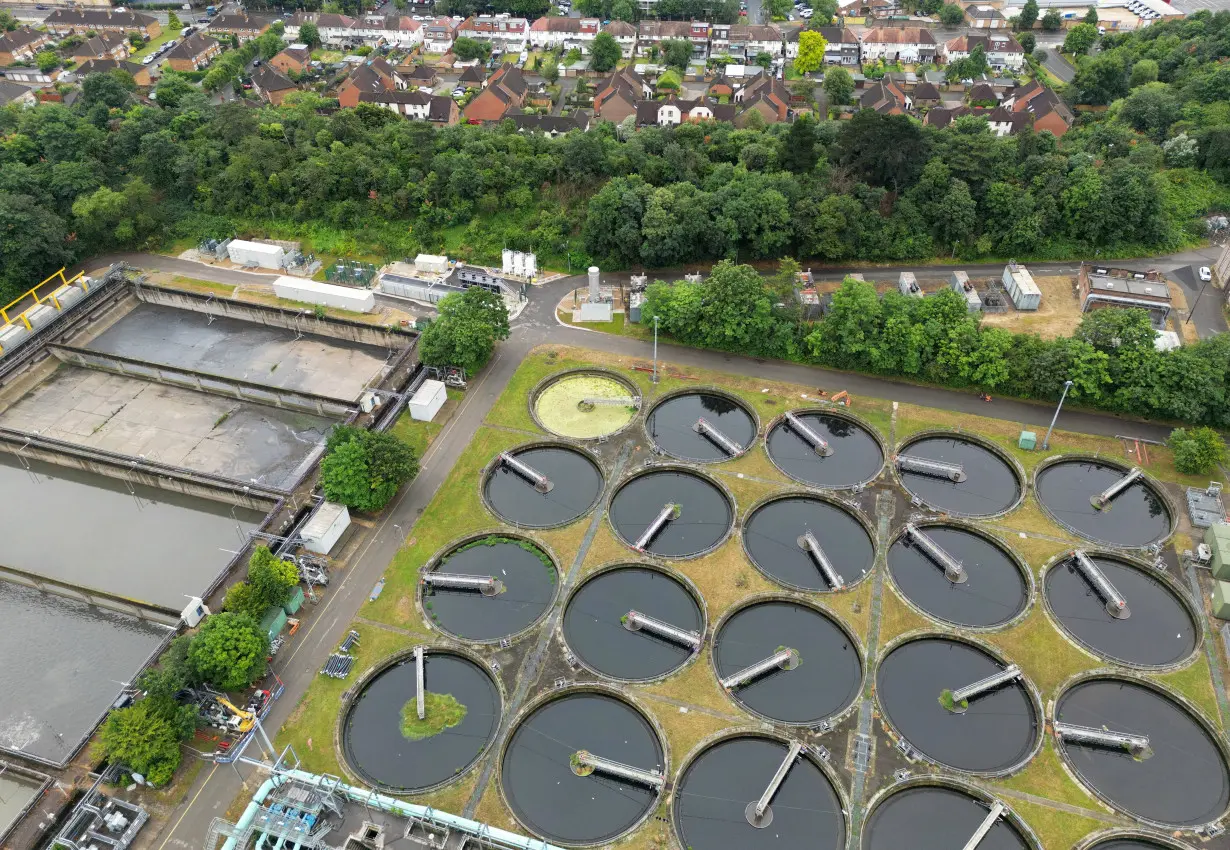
(529,582)
(704,516)
(934,817)
(771,535)
(856,455)
(383,755)
(1181,781)
(1159,632)
(1135,518)
(549,797)
(996,732)
(16,792)
(594,628)
(1130,844)
(560,406)
(575,484)
(994,592)
(671,425)
(990,484)
(829,669)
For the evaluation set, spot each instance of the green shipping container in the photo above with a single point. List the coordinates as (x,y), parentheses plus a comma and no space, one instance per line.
(295,602)
(1217,531)
(1221,600)
(273,622)
(1221,558)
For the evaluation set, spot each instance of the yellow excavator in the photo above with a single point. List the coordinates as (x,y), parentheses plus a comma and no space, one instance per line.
(241,721)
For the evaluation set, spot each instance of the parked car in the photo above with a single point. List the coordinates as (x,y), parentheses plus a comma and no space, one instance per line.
(459,93)
(148,59)
(1206,274)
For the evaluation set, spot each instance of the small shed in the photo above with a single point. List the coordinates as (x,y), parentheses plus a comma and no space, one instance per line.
(1028,441)
(960,284)
(294,602)
(273,622)
(1021,288)
(255,253)
(427,401)
(908,285)
(1221,600)
(434,263)
(322,531)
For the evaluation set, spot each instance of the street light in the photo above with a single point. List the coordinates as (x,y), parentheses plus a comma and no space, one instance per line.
(655,349)
(1046,442)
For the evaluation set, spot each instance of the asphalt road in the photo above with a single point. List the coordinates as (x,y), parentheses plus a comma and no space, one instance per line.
(1056,62)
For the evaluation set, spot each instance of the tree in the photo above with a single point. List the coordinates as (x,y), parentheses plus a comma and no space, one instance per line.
(243,598)
(171,89)
(141,739)
(1051,21)
(1144,71)
(838,86)
(1079,39)
(764,60)
(1091,17)
(309,34)
(271,578)
(1197,451)
(1099,80)
(549,70)
(47,61)
(811,52)
(952,15)
(677,53)
(1028,42)
(1151,109)
(1028,17)
(469,325)
(173,21)
(113,90)
(7,22)
(884,150)
(623,10)
(229,651)
(970,67)
(469,49)
(823,12)
(364,469)
(605,53)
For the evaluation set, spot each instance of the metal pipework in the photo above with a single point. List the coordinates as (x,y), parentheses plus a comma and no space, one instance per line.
(961,695)
(669,512)
(784,659)
(634,621)
(997,809)
(1134,744)
(953,570)
(486,585)
(540,481)
(809,543)
(1116,605)
(809,434)
(954,472)
(420,681)
(758,813)
(703,428)
(1103,499)
(616,401)
(652,778)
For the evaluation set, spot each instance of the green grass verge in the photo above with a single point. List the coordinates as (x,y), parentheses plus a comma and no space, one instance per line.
(166,35)
(441,711)
(420,435)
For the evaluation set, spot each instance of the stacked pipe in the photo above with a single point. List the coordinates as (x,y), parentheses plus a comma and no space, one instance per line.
(352,639)
(338,666)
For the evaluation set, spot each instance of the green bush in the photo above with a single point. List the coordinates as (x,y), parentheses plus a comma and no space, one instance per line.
(1197,451)
(364,470)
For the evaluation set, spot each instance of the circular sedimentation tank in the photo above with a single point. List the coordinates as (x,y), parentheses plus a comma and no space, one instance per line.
(572,487)
(821,679)
(728,776)
(1133,519)
(561,407)
(773,531)
(596,622)
(856,455)
(994,733)
(526,581)
(936,817)
(995,591)
(1181,780)
(1133,842)
(1160,631)
(463,715)
(550,791)
(988,484)
(674,426)
(701,517)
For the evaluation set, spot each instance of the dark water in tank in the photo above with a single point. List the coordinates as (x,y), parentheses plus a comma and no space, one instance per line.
(856,455)
(1128,844)
(670,426)
(371,734)
(935,818)
(1160,630)
(994,592)
(529,588)
(577,484)
(554,802)
(826,680)
(593,628)
(991,486)
(771,534)
(719,784)
(995,733)
(1184,782)
(1135,518)
(705,518)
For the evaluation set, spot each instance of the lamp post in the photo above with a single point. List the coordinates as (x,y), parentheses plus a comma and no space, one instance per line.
(655,349)
(1046,442)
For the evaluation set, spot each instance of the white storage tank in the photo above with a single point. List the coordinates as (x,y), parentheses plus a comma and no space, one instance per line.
(261,255)
(321,533)
(1019,284)
(315,292)
(427,401)
(433,263)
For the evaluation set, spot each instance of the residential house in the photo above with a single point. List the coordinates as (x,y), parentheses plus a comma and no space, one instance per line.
(11,92)
(842,46)
(70,21)
(886,97)
(568,33)
(722,87)
(505,89)
(105,45)
(239,24)
(1005,122)
(925,95)
(1043,106)
(296,58)
(745,43)
(400,31)
(672,112)
(439,35)
(624,34)
(941,117)
(193,53)
(984,17)
(551,125)
(439,110)
(473,77)
(616,97)
(271,84)
(30,74)
(506,34)
(651,34)
(982,94)
(374,75)
(334,30)
(21,45)
(881,9)
(766,95)
(419,76)
(139,73)
(1002,50)
(899,44)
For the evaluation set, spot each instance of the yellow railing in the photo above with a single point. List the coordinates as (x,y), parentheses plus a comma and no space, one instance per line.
(56,281)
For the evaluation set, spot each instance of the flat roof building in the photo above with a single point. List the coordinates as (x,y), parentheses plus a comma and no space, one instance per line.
(1103,286)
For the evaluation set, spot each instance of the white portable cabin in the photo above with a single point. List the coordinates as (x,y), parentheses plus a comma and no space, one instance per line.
(325,527)
(328,294)
(434,263)
(427,401)
(258,253)
(1021,288)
